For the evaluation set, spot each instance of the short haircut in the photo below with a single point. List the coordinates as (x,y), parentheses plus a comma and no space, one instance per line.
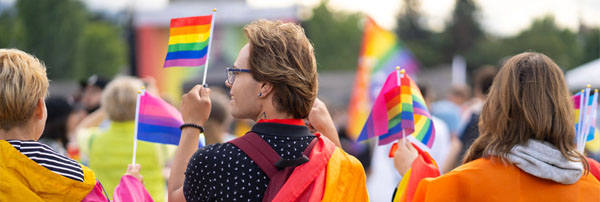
(120,97)
(281,54)
(23,82)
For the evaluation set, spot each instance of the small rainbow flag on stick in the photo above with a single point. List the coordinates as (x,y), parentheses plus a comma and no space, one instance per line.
(189,41)
(399,110)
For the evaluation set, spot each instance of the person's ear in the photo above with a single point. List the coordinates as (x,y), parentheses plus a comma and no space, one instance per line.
(40,109)
(266,88)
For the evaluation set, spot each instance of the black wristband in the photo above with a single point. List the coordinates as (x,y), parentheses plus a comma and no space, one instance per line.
(193,126)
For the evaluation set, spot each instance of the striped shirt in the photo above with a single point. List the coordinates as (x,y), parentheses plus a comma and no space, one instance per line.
(44,155)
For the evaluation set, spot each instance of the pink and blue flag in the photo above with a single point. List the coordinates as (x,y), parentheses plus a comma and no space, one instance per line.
(158,121)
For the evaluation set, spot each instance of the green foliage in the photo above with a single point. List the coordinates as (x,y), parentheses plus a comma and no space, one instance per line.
(104,50)
(71,42)
(52,31)
(464,30)
(423,43)
(463,35)
(591,44)
(542,36)
(336,37)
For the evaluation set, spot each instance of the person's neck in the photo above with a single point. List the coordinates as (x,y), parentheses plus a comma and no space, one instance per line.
(269,112)
(18,133)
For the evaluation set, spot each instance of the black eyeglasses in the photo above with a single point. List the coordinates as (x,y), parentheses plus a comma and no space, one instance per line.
(231,72)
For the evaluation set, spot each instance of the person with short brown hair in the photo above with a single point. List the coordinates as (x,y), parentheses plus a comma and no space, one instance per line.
(273,82)
(526,149)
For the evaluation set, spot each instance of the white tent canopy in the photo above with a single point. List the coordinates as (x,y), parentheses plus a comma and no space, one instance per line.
(588,73)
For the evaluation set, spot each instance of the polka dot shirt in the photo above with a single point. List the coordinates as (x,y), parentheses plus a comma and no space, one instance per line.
(222,172)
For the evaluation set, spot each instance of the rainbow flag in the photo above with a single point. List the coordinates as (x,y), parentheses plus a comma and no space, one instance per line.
(158,121)
(397,108)
(380,53)
(189,40)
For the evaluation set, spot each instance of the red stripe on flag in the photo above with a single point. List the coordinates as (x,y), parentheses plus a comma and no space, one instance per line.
(191,21)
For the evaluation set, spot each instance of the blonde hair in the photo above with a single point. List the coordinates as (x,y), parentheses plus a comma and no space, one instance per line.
(281,54)
(119,98)
(528,99)
(23,82)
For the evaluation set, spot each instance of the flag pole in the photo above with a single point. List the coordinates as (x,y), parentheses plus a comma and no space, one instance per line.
(212,29)
(400,74)
(137,114)
(579,126)
(585,124)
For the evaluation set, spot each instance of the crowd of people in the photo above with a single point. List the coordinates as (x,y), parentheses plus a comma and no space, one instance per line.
(509,138)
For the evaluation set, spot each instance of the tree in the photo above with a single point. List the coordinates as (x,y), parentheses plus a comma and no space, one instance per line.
(8,25)
(409,22)
(591,44)
(464,30)
(52,31)
(542,36)
(336,37)
(422,42)
(103,51)
(545,37)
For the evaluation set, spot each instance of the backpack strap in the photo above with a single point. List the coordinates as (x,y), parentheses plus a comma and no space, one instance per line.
(259,151)
(277,169)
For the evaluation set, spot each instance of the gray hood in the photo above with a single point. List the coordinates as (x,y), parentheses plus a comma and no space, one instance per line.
(543,160)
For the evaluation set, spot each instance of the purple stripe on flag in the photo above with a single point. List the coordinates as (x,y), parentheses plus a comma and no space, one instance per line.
(185,62)
(160,121)
(391,138)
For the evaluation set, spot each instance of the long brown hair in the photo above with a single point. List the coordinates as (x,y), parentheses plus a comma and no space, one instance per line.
(528,99)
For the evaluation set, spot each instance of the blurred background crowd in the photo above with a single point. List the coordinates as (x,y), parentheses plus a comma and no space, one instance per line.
(96,51)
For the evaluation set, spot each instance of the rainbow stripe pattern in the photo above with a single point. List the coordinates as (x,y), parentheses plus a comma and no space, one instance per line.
(158,121)
(397,108)
(380,53)
(423,167)
(188,41)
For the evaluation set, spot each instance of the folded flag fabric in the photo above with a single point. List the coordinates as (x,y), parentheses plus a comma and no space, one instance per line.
(131,189)
(397,108)
(158,121)
(423,167)
(189,39)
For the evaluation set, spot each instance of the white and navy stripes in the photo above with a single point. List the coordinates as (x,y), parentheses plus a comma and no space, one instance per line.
(45,156)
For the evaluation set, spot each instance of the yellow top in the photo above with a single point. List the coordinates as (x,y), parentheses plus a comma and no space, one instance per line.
(589,86)
(402,71)
(214,10)
(22,179)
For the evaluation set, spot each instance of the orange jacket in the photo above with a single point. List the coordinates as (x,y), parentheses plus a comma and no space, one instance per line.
(491,180)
